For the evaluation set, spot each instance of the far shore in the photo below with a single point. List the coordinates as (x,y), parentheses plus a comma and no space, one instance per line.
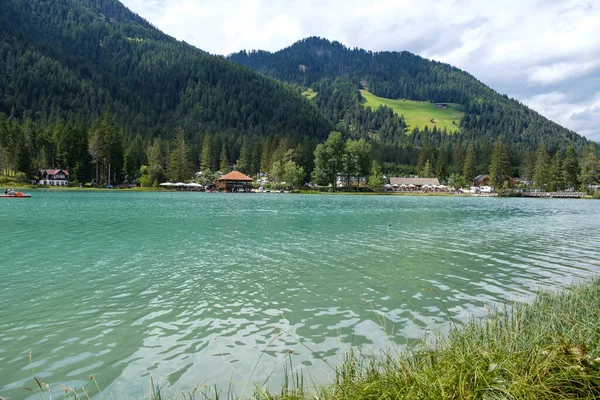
(25,188)
(160,189)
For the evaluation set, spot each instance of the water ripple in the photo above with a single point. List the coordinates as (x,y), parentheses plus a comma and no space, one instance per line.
(193,288)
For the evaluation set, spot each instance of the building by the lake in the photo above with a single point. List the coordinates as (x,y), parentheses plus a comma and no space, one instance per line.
(234,181)
(481,180)
(484,180)
(54,177)
(413,183)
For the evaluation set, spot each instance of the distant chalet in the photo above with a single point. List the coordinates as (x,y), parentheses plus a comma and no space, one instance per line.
(481,180)
(484,180)
(416,183)
(442,105)
(54,177)
(234,181)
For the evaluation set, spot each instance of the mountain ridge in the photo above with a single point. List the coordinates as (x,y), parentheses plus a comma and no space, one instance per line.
(77,71)
(99,55)
(403,75)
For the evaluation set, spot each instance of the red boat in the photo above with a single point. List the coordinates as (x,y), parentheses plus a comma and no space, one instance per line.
(15,195)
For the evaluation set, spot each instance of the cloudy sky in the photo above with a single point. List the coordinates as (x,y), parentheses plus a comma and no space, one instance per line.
(545,53)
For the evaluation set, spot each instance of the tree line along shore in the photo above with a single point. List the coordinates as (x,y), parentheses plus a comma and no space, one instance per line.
(102,154)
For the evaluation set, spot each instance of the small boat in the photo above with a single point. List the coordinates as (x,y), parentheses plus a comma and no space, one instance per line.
(15,195)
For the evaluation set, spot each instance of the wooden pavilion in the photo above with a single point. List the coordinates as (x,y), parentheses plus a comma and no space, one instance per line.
(234,181)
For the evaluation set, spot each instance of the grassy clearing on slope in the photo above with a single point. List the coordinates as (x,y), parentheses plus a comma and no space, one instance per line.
(418,114)
(309,94)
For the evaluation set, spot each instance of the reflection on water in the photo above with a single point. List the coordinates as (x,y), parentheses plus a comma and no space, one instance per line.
(192,287)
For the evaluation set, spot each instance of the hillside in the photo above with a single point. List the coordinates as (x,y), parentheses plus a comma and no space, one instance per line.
(64,60)
(322,65)
(89,86)
(418,114)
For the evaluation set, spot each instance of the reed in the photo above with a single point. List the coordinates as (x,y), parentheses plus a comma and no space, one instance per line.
(547,349)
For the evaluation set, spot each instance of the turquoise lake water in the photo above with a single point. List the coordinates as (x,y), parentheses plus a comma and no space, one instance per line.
(191,288)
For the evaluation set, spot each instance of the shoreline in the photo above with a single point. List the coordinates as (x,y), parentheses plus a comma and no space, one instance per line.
(305,192)
(546,348)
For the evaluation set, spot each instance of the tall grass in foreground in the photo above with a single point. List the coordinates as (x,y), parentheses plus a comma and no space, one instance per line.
(548,349)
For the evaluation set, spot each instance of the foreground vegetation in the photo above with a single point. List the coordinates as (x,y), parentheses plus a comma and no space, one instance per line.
(546,349)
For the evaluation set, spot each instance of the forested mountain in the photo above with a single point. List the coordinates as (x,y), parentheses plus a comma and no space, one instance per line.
(63,59)
(90,73)
(89,86)
(336,73)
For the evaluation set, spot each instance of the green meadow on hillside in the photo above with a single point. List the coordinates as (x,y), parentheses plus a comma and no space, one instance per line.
(309,94)
(418,114)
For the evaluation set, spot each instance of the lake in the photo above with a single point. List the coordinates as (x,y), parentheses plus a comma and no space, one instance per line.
(193,288)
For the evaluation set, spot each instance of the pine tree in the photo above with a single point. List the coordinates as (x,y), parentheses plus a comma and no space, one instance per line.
(427,171)
(5,144)
(541,170)
(157,154)
(571,169)
(114,153)
(23,158)
(441,165)
(469,171)
(82,168)
(255,159)
(425,156)
(95,144)
(527,166)
(224,160)
(304,156)
(589,167)
(207,154)
(266,159)
(180,162)
(106,147)
(499,165)
(243,163)
(135,157)
(557,178)
(458,158)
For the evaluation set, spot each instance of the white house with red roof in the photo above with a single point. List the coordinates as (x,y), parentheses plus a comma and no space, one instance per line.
(54,177)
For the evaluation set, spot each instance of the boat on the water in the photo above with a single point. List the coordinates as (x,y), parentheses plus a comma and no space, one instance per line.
(15,195)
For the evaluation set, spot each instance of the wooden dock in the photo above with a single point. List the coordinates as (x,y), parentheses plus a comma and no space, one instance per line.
(555,195)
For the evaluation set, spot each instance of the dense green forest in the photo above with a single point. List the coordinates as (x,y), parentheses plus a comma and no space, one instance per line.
(65,59)
(90,152)
(89,86)
(336,73)
(68,62)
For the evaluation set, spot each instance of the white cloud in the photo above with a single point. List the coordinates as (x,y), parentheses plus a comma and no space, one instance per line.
(522,48)
(561,71)
(581,116)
